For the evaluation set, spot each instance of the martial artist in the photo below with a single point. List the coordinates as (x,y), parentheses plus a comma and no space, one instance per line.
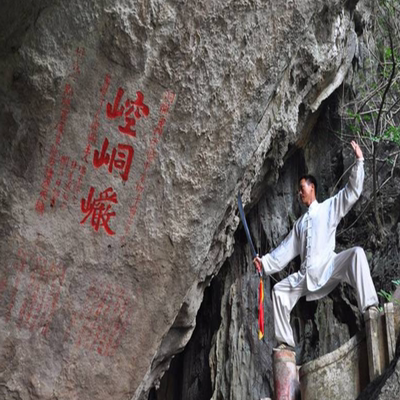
(321,270)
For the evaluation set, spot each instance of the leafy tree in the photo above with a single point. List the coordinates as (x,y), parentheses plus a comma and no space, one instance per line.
(373,113)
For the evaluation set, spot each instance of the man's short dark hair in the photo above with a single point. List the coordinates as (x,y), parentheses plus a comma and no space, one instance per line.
(310,179)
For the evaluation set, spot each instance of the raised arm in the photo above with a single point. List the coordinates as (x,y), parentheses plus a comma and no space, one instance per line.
(345,199)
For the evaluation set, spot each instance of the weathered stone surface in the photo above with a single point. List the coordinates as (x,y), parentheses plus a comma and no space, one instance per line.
(342,373)
(391,389)
(322,327)
(387,385)
(241,365)
(346,371)
(249,79)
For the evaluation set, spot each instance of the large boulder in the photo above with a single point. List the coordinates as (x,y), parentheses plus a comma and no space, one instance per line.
(127,129)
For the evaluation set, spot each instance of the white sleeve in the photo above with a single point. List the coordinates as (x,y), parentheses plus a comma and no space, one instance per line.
(282,255)
(345,199)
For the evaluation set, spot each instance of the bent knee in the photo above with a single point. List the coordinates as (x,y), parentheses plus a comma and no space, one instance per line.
(276,292)
(279,290)
(358,251)
(359,254)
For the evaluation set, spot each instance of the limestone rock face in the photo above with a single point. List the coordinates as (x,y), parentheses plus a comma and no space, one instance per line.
(319,327)
(391,389)
(127,129)
(387,385)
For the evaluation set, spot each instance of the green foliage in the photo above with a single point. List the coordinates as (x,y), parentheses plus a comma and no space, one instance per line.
(388,61)
(390,161)
(354,128)
(387,54)
(366,118)
(350,113)
(392,134)
(388,296)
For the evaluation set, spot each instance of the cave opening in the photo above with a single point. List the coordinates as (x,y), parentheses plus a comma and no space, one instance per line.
(189,374)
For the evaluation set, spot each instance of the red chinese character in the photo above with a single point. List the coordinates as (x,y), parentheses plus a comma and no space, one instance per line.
(97,209)
(78,186)
(169,96)
(158,130)
(161,122)
(112,110)
(164,108)
(86,153)
(123,162)
(49,176)
(137,107)
(94,127)
(68,185)
(64,160)
(80,52)
(39,206)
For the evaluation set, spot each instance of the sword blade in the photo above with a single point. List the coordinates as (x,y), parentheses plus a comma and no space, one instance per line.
(246,228)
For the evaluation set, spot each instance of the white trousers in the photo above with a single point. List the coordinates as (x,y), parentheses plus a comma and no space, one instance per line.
(350,266)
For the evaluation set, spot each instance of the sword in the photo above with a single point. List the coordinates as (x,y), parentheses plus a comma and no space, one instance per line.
(246,229)
(261,286)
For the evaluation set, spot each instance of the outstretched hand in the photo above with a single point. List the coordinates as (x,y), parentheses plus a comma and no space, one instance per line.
(257,263)
(357,149)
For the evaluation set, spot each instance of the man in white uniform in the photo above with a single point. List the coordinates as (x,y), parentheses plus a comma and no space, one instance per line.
(321,270)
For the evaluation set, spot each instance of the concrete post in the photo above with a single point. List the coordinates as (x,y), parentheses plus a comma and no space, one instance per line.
(286,380)
(371,329)
(390,335)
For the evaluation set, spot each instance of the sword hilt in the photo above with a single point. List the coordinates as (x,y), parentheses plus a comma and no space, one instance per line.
(258,266)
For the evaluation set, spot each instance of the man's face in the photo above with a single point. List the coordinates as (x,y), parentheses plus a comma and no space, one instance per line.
(306,192)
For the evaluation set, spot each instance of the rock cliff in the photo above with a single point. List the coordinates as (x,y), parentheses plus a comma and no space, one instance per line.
(127,129)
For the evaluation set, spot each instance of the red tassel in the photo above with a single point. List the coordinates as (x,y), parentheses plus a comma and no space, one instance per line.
(261,310)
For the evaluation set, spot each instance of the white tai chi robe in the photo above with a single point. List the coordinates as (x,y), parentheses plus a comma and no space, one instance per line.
(313,238)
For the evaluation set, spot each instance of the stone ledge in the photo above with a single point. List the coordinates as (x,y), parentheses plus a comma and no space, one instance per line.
(332,357)
(346,372)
